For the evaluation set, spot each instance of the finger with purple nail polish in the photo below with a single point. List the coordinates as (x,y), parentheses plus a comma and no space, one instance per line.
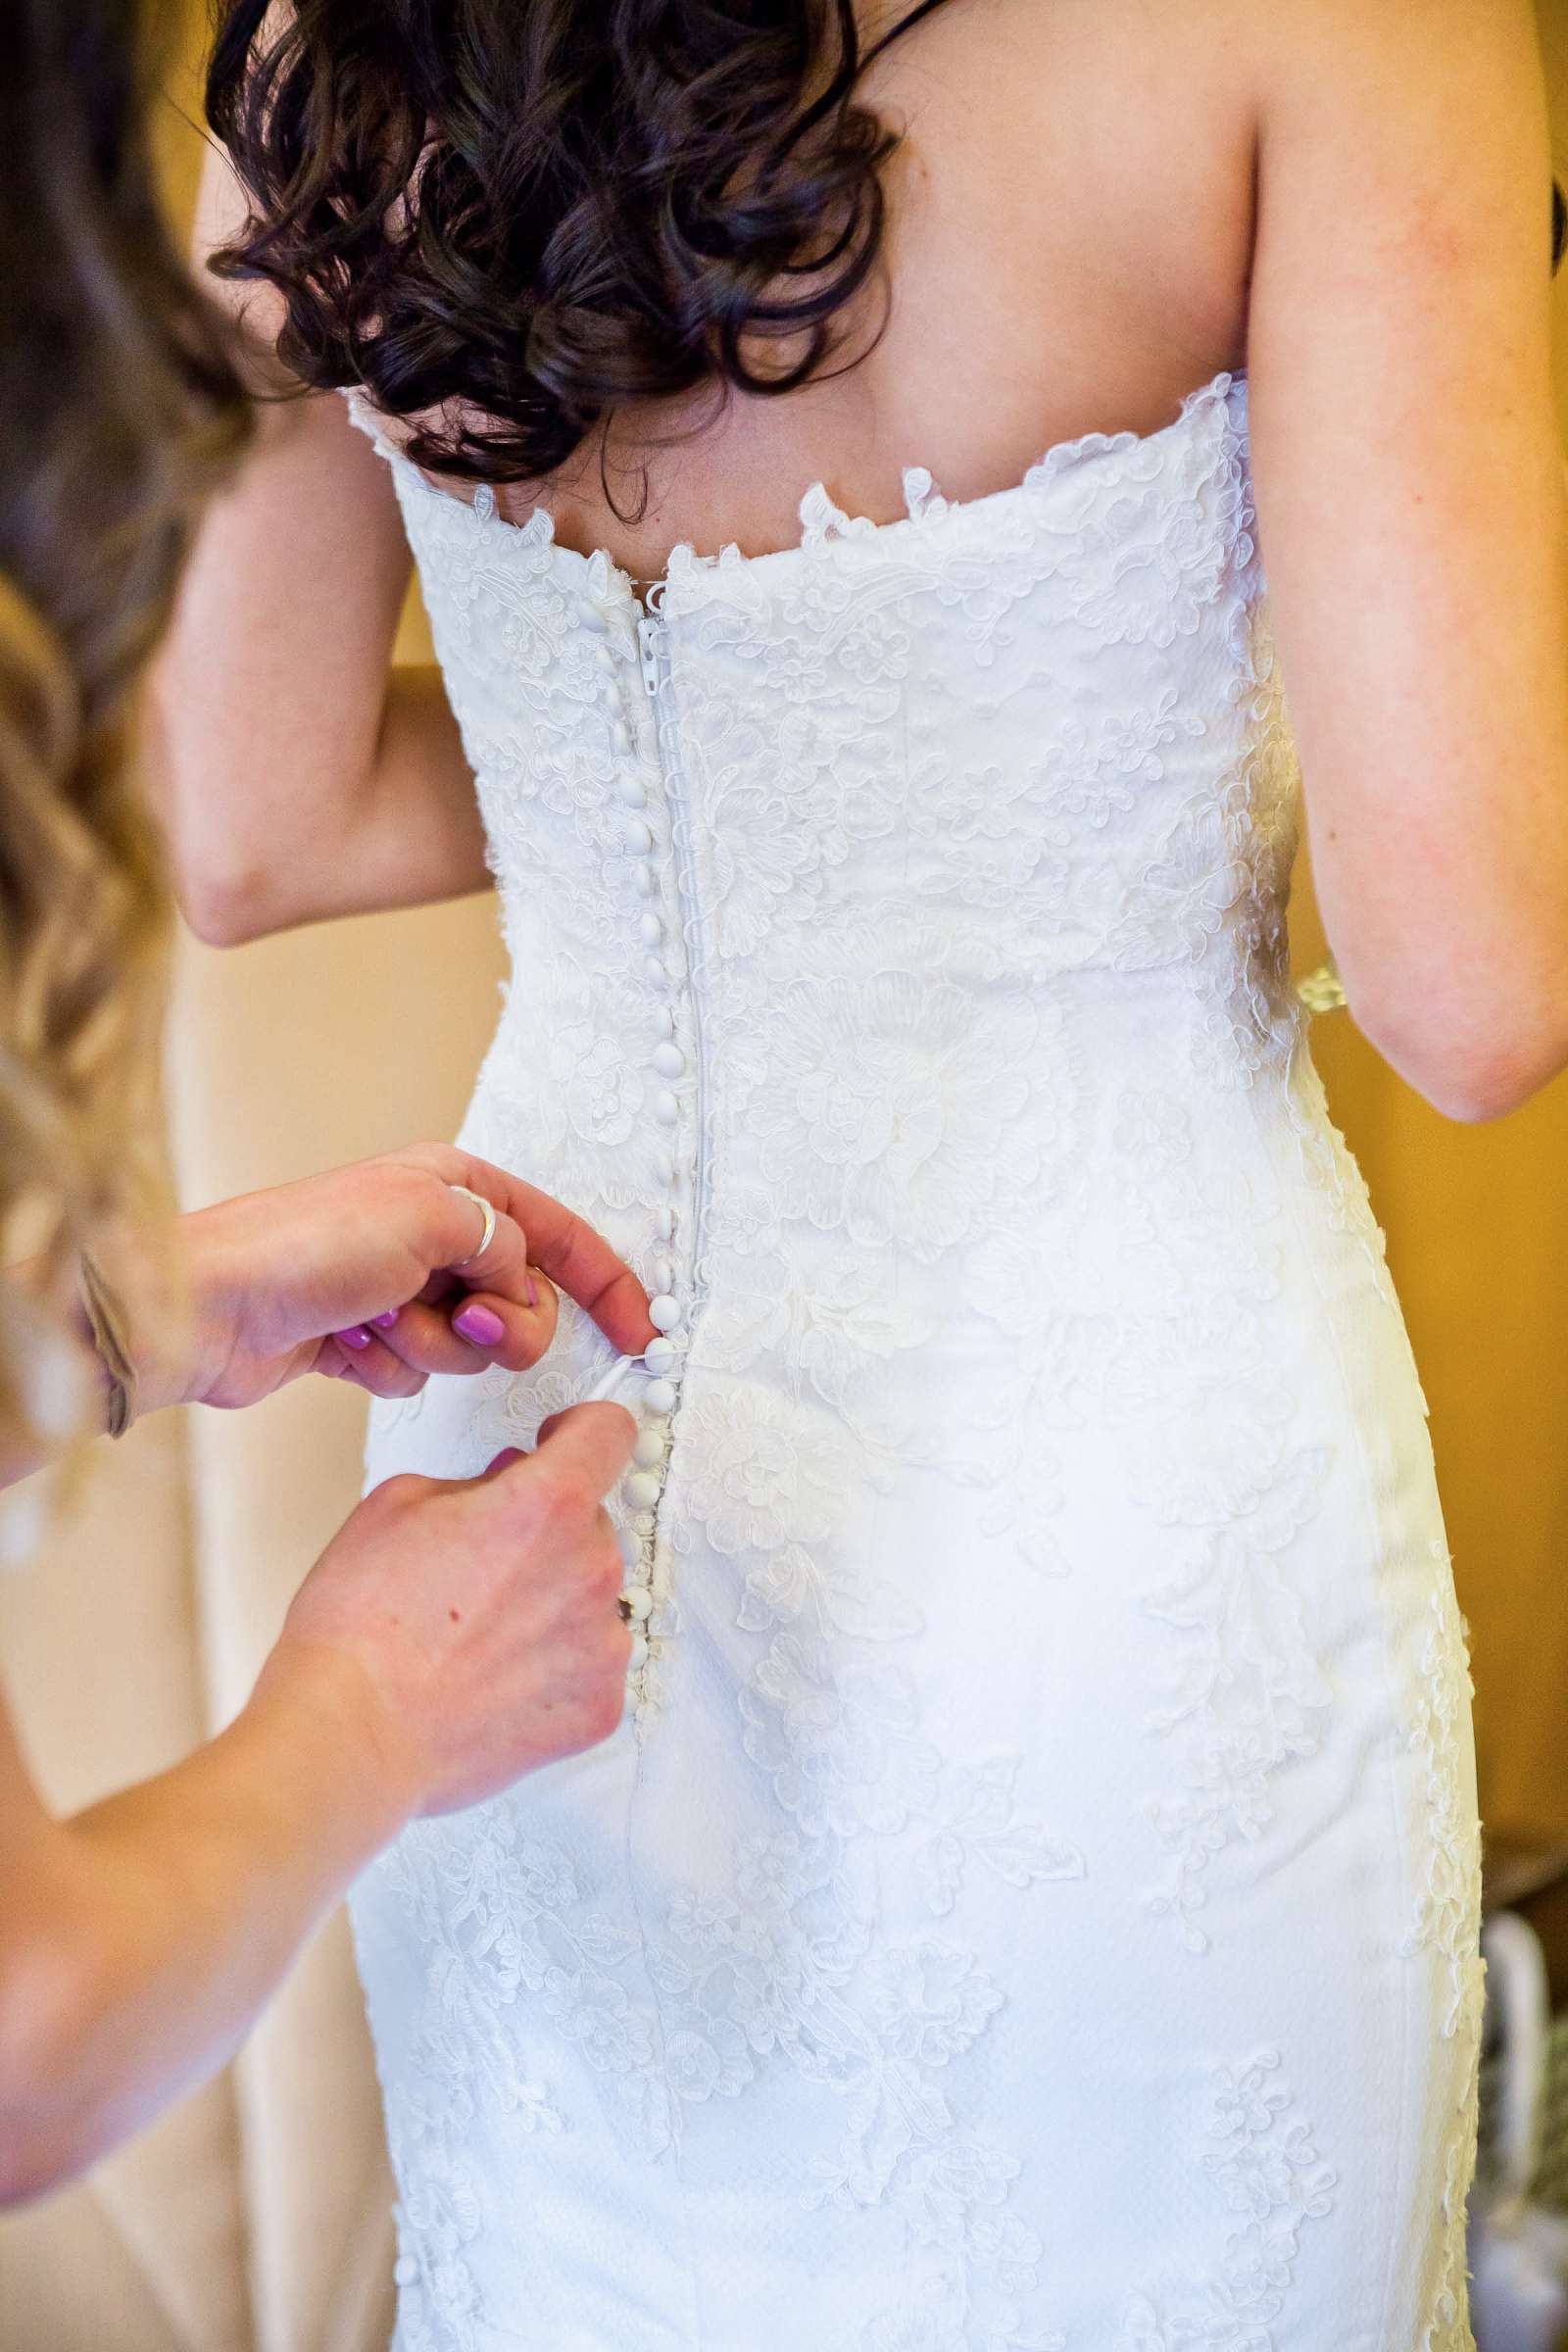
(479,1325)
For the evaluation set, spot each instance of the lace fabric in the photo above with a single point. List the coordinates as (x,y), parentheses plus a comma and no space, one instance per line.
(1045,1815)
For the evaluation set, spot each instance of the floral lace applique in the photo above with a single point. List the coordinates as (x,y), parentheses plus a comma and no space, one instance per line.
(1246,1694)
(1259,2154)
(505,1919)
(827,1711)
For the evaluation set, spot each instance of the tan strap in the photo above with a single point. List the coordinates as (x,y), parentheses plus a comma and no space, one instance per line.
(106,1320)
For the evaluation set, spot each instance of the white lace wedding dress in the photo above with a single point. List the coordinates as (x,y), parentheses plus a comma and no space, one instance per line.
(1032,1898)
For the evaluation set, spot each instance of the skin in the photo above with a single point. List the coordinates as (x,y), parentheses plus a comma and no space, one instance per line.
(455,1635)
(1351,203)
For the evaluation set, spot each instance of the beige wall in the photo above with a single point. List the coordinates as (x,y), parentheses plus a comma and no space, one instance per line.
(254,2220)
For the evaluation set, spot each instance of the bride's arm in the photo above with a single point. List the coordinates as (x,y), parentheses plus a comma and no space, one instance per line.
(1413,522)
(299,774)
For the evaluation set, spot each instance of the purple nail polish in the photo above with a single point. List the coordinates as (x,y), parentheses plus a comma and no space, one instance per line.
(479,1324)
(382,1322)
(358,1337)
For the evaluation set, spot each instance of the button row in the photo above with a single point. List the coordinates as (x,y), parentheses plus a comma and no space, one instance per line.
(643,1481)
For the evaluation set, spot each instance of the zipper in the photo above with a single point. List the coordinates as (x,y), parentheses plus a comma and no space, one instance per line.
(653,648)
(653,643)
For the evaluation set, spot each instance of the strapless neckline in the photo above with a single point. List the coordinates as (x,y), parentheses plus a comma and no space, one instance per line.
(823,522)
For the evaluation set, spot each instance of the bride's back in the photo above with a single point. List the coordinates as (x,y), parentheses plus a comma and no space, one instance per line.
(1071,223)
(1095,209)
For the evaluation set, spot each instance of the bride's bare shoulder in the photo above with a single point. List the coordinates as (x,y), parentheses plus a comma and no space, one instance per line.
(1404,31)
(1232,46)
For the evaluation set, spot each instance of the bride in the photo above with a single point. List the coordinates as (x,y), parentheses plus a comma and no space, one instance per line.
(915,515)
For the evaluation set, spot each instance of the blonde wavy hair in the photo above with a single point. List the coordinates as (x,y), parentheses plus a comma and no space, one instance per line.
(122,410)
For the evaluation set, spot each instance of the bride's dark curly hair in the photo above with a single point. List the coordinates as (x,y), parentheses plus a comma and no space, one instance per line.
(536,210)
(519,214)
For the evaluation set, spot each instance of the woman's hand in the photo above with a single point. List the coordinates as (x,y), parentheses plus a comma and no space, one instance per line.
(453,1635)
(476,1617)
(370,1273)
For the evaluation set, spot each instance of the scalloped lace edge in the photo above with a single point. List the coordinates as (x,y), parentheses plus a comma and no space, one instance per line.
(823,523)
